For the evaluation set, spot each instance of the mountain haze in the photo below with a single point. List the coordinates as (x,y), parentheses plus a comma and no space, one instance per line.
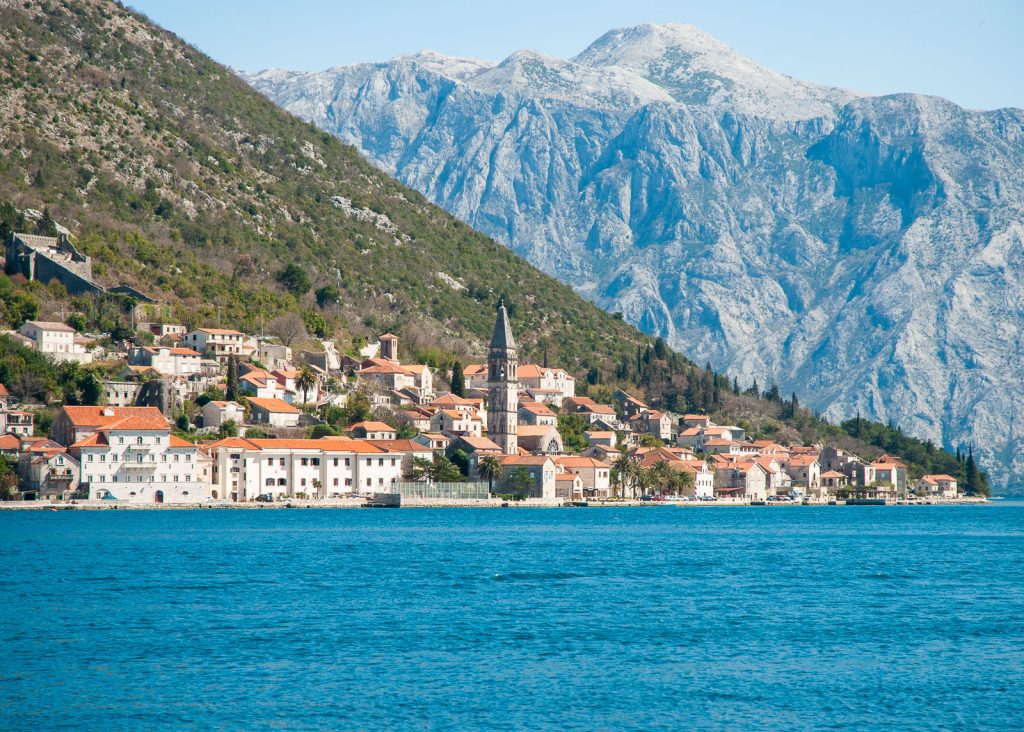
(864,252)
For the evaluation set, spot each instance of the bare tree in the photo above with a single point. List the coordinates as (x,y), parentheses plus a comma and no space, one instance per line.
(288,327)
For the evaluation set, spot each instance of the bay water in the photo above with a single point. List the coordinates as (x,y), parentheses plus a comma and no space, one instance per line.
(598,618)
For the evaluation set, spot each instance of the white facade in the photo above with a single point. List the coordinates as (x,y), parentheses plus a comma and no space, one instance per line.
(168,361)
(217,342)
(216,413)
(244,469)
(58,341)
(140,466)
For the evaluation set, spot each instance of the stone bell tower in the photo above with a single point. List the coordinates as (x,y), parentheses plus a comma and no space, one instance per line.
(503,386)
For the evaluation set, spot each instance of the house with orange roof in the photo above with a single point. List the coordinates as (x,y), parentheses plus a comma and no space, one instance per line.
(129,454)
(939,486)
(58,341)
(219,343)
(434,440)
(696,420)
(891,470)
(594,474)
(600,437)
(742,481)
(373,430)
(601,452)
(536,414)
(217,412)
(452,401)
(541,383)
(455,423)
(273,412)
(805,472)
(16,422)
(568,486)
(262,385)
(652,422)
(47,471)
(10,445)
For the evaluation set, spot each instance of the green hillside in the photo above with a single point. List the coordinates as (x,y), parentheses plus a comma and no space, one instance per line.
(180,180)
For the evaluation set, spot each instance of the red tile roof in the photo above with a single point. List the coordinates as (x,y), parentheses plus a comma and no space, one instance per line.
(277,406)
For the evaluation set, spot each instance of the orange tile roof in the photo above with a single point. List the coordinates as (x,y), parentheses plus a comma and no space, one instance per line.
(473,369)
(399,445)
(941,478)
(219,331)
(3,391)
(532,430)
(9,442)
(123,418)
(530,371)
(451,399)
(278,406)
(578,461)
(536,408)
(373,426)
(523,459)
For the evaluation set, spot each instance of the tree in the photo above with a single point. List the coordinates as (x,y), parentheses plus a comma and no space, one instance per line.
(972,486)
(624,473)
(228,428)
(445,471)
(356,409)
(327,295)
(288,328)
(420,469)
(46,226)
(662,475)
(520,481)
(458,380)
(305,382)
(232,392)
(294,279)
(322,430)
(489,467)
(92,390)
(460,458)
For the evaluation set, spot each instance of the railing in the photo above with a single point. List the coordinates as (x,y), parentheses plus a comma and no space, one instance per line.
(473,490)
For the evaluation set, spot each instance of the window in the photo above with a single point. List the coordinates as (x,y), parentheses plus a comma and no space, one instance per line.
(138,440)
(303,483)
(282,462)
(335,482)
(347,462)
(139,459)
(315,462)
(393,462)
(369,482)
(348,481)
(380,461)
(282,481)
(305,461)
(90,457)
(270,481)
(335,462)
(188,457)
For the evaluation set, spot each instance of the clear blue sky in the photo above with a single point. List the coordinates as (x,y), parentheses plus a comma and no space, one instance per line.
(970,51)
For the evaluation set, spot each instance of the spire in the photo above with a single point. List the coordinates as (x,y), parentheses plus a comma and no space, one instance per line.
(502,336)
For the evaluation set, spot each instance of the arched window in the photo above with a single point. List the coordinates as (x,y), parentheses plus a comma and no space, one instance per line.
(138,440)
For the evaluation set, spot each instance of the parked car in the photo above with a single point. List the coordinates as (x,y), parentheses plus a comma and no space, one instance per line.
(264,498)
(646,498)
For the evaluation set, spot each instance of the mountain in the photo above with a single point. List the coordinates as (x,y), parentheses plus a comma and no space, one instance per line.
(864,252)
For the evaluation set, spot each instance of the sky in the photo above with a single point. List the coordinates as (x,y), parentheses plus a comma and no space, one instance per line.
(969,51)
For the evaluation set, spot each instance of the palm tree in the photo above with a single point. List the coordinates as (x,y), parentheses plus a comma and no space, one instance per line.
(306,381)
(489,467)
(625,471)
(662,476)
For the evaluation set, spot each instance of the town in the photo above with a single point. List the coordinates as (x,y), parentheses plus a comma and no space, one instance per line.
(265,416)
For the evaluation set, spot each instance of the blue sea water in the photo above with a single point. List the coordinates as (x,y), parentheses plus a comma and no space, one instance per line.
(631,618)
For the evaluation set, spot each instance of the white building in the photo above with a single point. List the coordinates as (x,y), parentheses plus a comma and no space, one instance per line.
(216,413)
(273,412)
(130,455)
(333,466)
(178,361)
(218,343)
(58,341)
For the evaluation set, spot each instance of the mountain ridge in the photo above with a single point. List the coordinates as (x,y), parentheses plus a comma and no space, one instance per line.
(873,238)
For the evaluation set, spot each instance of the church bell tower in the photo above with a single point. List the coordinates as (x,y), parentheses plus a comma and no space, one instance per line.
(503,386)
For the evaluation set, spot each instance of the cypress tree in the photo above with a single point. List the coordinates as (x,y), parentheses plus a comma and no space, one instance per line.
(735,385)
(794,406)
(232,390)
(459,381)
(973,484)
